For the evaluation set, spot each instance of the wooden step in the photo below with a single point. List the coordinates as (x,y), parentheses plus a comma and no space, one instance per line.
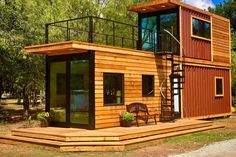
(163,130)
(103,145)
(66,137)
(113,134)
(64,146)
(134,143)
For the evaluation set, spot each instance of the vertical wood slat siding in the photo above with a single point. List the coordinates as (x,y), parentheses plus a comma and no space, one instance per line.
(133,67)
(194,48)
(221,40)
(199,92)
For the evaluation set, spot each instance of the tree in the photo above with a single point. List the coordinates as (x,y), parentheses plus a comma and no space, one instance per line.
(22,24)
(20,74)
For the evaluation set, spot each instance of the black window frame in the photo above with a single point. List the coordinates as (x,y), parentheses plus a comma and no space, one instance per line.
(122,90)
(153,86)
(198,35)
(158,14)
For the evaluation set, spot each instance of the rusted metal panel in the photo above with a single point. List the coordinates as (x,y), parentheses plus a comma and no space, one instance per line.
(194,47)
(199,92)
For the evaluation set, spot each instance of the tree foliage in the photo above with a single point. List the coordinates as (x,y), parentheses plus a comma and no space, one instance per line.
(22,24)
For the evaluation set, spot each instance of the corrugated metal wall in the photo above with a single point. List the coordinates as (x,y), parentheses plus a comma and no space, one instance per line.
(194,48)
(199,92)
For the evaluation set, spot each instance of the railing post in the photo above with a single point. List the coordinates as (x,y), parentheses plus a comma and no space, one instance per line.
(113,33)
(132,36)
(139,43)
(159,41)
(106,39)
(67,30)
(122,42)
(46,33)
(90,35)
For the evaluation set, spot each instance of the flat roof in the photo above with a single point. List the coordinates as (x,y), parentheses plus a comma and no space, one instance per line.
(73,47)
(159,5)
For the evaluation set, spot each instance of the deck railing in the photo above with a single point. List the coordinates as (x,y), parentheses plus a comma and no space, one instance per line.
(108,32)
(96,30)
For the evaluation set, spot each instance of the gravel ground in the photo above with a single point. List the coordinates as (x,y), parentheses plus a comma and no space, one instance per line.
(219,149)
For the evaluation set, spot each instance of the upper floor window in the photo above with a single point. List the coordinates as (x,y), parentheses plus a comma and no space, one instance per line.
(113,85)
(149,33)
(219,86)
(201,28)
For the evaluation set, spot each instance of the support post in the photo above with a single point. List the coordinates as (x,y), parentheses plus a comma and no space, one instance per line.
(46,33)
(90,36)
(113,34)
(67,31)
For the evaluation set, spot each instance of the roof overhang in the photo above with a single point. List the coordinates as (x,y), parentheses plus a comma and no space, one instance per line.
(73,47)
(153,6)
(59,48)
(160,5)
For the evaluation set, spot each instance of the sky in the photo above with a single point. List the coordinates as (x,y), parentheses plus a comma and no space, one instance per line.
(203,4)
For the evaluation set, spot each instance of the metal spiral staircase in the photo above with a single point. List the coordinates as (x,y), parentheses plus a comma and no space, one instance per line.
(174,70)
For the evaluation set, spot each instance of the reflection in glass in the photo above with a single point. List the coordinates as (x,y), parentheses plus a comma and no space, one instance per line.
(113,88)
(58,91)
(201,28)
(79,91)
(169,22)
(149,42)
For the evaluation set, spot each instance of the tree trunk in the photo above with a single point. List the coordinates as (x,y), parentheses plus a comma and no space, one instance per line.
(26,103)
(1,90)
(26,106)
(35,98)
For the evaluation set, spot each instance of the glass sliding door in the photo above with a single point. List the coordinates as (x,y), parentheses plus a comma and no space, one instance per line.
(58,91)
(68,91)
(169,22)
(79,92)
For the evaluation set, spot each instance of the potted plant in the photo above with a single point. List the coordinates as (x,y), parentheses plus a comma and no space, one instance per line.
(43,117)
(126,118)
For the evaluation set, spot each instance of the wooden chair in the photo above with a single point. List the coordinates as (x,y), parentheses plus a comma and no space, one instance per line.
(140,111)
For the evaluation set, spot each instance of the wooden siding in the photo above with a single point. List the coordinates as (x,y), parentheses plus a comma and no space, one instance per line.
(221,40)
(194,47)
(133,67)
(199,92)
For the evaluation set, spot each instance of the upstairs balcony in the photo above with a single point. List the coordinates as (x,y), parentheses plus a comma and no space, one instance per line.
(109,32)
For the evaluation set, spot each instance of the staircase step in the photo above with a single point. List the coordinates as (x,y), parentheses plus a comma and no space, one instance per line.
(178,82)
(176,65)
(176,94)
(176,71)
(177,88)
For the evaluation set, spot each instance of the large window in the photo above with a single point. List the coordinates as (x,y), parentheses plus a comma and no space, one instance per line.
(149,33)
(148,85)
(158,40)
(113,89)
(219,86)
(169,22)
(201,28)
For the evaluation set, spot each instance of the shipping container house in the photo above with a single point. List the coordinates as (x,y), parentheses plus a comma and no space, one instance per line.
(177,61)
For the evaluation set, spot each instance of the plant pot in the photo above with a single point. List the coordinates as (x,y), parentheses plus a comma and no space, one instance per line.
(43,123)
(125,123)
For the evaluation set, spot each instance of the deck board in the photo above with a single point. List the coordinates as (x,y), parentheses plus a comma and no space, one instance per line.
(110,139)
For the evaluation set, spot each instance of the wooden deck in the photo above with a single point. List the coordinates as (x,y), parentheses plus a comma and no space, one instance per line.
(111,139)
